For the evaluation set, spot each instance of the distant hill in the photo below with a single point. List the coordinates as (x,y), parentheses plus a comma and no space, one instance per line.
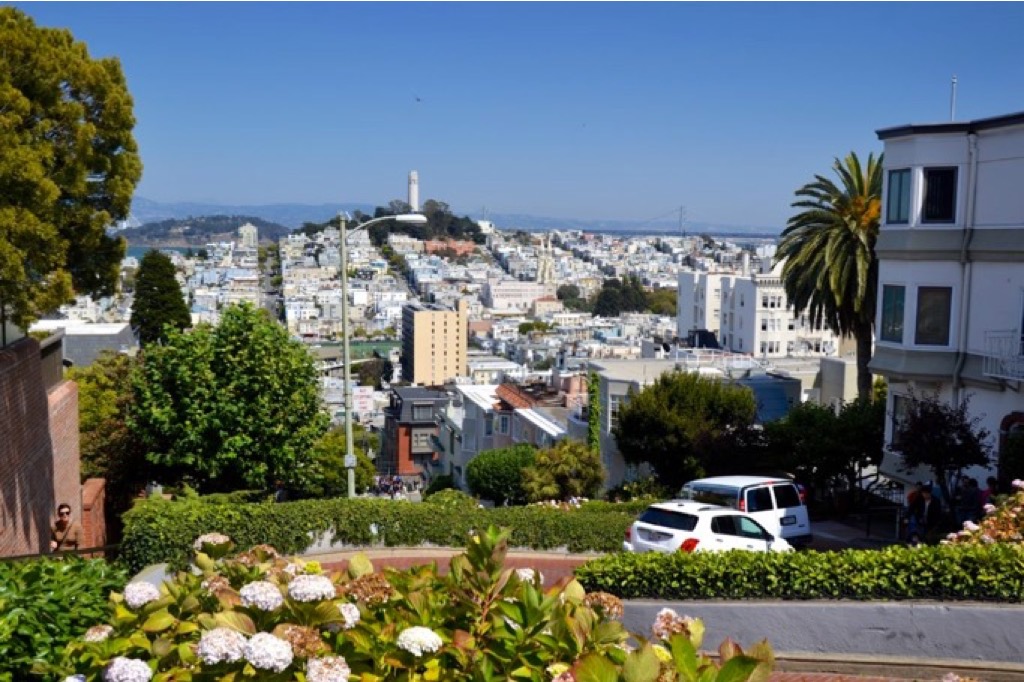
(294,215)
(201,230)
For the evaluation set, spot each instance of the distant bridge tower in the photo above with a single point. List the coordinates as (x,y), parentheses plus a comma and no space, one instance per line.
(414,190)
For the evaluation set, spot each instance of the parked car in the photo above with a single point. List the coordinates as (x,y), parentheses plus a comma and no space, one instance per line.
(687,526)
(776,503)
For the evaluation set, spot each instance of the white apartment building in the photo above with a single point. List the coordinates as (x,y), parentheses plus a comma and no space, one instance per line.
(951,272)
(512,295)
(249,236)
(700,301)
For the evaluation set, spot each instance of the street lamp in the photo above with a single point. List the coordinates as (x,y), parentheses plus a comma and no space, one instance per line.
(416,218)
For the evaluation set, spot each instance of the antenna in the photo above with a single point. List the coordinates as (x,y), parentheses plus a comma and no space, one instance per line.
(952,100)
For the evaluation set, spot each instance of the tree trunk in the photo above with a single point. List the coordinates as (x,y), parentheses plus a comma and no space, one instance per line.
(864,344)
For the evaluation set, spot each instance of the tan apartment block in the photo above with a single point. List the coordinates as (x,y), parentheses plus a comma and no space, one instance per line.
(434,343)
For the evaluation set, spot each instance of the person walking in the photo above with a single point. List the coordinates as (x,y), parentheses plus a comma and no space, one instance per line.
(65,534)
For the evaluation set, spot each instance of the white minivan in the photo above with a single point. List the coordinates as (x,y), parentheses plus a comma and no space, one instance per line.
(774,502)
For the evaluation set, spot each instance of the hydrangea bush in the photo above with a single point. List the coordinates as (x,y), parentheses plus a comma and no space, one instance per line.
(1003,523)
(260,616)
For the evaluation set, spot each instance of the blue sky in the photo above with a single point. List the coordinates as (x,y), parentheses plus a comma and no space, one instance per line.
(573,110)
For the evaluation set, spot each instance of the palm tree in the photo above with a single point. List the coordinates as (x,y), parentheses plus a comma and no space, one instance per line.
(830,270)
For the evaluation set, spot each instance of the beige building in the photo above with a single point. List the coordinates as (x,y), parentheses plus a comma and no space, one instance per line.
(434,343)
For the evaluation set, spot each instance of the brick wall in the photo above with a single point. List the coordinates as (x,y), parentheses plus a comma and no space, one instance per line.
(94,498)
(39,457)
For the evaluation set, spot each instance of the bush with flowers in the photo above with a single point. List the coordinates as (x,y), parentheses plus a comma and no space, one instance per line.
(1002,523)
(261,616)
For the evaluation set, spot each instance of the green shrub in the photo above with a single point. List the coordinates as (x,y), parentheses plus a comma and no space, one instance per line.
(439,483)
(450,499)
(158,531)
(45,603)
(645,488)
(497,475)
(481,621)
(945,572)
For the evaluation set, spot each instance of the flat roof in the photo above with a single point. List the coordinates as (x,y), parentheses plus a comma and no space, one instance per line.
(541,422)
(482,395)
(80,327)
(975,125)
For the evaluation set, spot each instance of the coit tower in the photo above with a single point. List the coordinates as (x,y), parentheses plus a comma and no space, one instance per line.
(414,190)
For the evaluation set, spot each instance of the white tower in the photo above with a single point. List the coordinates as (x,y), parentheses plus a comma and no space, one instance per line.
(414,190)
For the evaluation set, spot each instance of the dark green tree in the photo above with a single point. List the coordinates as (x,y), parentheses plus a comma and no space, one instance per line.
(663,302)
(327,475)
(567,291)
(942,437)
(158,299)
(68,168)
(375,372)
(497,475)
(566,470)
(683,423)
(229,407)
(831,270)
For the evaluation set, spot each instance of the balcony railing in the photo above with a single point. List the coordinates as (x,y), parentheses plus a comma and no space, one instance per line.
(1003,354)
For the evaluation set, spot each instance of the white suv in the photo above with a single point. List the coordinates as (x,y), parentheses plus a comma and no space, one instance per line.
(685,526)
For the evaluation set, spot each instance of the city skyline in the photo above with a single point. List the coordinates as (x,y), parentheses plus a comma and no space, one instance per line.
(582,111)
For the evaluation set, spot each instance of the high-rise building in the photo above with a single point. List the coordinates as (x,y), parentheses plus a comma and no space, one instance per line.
(434,343)
(414,190)
(248,234)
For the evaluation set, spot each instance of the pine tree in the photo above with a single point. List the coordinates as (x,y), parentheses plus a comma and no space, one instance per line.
(158,299)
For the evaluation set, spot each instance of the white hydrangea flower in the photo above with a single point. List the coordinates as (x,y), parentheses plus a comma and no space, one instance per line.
(528,575)
(327,669)
(262,595)
(311,588)
(970,526)
(418,640)
(123,669)
(350,612)
(293,569)
(266,652)
(221,645)
(137,595)
(75,678)
(97,633)
(989,508)
(210,539)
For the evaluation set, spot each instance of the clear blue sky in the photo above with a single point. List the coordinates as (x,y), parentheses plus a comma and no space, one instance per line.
(576,110)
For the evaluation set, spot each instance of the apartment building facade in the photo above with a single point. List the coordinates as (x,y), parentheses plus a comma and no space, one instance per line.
(950,320)
(434,343)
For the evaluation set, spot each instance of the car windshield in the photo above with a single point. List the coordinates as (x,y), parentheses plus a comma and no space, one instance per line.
(668,519)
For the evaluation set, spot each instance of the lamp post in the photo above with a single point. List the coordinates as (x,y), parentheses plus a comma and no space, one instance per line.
(350,457)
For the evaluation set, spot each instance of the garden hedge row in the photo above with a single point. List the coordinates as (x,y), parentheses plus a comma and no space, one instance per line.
(158,531)
(955,572)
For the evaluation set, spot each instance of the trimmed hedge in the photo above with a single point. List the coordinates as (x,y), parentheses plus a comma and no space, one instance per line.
(157,531)
(946,572)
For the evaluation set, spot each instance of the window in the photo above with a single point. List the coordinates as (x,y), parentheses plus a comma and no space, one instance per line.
(764,325)
(668,519)
(614,402)
(503,424)
(422,412)
(759,499)
(750,529)
(939,195)
(933,311)
(489,425)
(786,495)
(892,313)
(898,416)
(724,525)
(898,209)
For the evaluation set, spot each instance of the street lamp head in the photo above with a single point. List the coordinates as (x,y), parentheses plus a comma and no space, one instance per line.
(417,218)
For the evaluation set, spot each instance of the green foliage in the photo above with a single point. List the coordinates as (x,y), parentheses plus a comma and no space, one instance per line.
(568,469)
(644,489)
(619,296)
(327,475)
(68,168)
(204,229)
(376,371)
(594,411)
(440,483)
(451,500)
(160,530)
(946,572)
(46,603)
(567,291)
(229,407)
(945,438)
(487,622)
(534,326)
(441,223)
(159,302)
(497,475)
(831,270)
(663,302)
(683,422)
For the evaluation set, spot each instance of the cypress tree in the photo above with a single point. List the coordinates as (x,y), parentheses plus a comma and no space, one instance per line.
(158,299)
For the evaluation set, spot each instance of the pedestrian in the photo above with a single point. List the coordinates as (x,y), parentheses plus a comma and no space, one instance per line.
(988,495)
(968,502)
(927,517)
(65,534)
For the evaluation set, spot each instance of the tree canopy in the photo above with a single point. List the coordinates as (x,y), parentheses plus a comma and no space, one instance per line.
(566,470)
(497,475)
(229,407)
(68,168)
(682,422)
(828,249)
(158,299)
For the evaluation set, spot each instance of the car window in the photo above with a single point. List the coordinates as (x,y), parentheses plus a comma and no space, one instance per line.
(786,495)
(759,499)
(669,519)
(724,497)
(749,528)
(723,525)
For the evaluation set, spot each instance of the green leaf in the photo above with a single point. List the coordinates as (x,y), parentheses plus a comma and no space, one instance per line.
(236,621)
(359,565)
(641,665)
(737,669)
(595,668)
(159,621)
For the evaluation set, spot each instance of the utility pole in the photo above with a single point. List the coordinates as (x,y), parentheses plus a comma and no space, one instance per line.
(952,100)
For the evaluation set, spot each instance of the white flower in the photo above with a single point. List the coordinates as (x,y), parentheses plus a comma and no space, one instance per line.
(123,669)
(75,678)
(266,652)
(139,594)
(1017,483)
(668,623)
(327,669)
(970,525)
(989,508)
(210,539)
(293,569)
(221,645)
(311,588)
(418,640)
(261,594)
(97,633)
(350,612)
(528,575)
